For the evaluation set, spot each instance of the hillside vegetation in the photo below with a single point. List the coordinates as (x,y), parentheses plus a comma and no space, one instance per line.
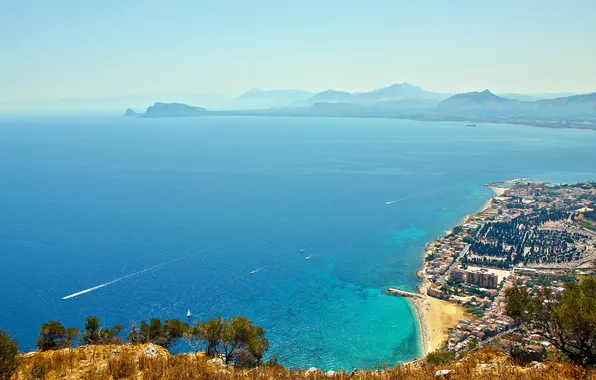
(154,362)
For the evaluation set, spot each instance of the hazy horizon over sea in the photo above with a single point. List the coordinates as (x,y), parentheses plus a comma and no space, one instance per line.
(211,215)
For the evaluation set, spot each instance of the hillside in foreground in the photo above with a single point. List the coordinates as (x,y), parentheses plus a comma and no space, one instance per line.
(153,362)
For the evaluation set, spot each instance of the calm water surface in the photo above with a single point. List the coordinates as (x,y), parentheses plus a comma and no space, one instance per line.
(196,205)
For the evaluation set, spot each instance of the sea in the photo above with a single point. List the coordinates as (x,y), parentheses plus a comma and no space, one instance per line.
(298,223)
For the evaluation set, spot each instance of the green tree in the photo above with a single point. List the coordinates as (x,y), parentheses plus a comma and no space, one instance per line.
(236,340)
(9,359)
(54,336)
(164,334)
(211,332)
(94,334)
(567,321)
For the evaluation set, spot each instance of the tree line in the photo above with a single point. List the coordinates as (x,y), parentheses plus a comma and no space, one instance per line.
(236,341)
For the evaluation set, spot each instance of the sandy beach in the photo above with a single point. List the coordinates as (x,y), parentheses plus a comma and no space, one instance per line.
(436,317)
(487,206)
(498,190)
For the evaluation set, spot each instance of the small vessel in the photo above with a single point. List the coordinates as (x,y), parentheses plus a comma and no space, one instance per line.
(188,314)
(470,125)
(302,250)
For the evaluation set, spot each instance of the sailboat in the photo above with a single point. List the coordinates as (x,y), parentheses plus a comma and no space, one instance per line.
(188,314)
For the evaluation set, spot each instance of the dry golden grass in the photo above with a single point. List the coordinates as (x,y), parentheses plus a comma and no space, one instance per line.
(131,362)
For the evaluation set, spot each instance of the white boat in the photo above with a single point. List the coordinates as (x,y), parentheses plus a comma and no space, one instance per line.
(188,314)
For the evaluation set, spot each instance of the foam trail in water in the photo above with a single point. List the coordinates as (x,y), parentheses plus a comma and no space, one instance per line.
(117,280)
(86,291)
(399,200)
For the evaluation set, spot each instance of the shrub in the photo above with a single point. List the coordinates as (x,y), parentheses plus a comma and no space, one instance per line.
(9,360)
(440,356)
(54,336)
(567,321)
(38,371)
(94,334)
(165,335)
(236,340)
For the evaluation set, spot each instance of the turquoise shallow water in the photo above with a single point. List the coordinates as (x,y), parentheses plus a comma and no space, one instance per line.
(201,203)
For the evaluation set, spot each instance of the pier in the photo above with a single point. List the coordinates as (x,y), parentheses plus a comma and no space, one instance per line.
(403,293)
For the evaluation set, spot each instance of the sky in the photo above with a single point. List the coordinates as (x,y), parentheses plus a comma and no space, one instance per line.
(86,49)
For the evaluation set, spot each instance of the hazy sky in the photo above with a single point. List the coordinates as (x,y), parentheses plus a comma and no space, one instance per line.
(63,49)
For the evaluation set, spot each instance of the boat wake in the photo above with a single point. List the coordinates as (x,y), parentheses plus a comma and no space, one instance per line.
(399,200)
(187,257)
(116,280)
(256,270)
(88,290)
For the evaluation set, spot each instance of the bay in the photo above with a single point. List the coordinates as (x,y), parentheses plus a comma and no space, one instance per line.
(179,212)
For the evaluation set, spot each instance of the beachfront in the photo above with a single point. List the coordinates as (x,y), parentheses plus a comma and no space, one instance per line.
(523,235)
(438,316)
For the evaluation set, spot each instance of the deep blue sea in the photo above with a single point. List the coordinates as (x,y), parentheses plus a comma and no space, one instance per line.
(180,212)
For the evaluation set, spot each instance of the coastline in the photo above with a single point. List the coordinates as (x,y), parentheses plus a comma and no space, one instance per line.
(435,316)
(512,122)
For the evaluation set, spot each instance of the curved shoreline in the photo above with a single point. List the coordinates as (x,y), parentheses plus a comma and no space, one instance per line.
(435,316)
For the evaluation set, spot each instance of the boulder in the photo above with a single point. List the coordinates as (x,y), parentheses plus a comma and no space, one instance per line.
(444,374)
(537,365)
(151,352)
(310,371)
(217,361)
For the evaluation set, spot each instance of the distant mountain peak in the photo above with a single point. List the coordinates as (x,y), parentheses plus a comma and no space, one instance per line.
(474,100)
(130,113)
(257,98)
(405,85)
(252,91)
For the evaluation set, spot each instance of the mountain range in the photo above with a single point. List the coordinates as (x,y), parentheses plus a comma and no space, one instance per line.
(486,103)
(399,96)
(408,102)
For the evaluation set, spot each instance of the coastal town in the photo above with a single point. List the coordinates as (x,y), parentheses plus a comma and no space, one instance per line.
(530,234)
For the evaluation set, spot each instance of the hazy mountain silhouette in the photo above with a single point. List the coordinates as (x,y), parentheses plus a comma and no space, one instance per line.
(400,91)
(408,102)
(535,96)
(332,96)
(173,110)
(263,99)
(476,100)
(130,113)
